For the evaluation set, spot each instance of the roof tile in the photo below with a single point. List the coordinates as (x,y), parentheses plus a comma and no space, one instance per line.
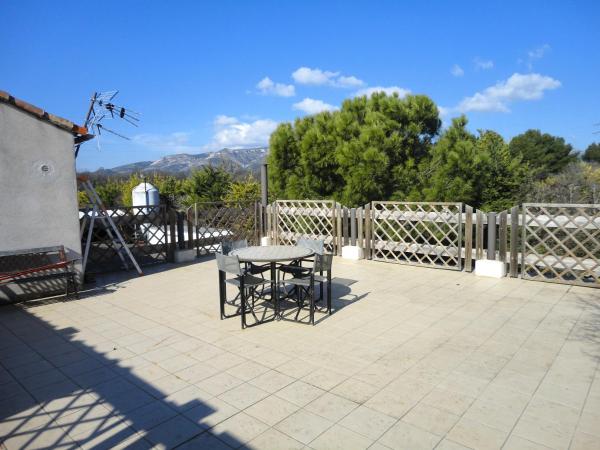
(65,124)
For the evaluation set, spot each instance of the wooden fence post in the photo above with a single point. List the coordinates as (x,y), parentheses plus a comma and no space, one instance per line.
(339,230)
(468,238)
(514,241)
(353,226)
(359,228)
(275,219)
(190,231)
(172,241)
(368,231)
(479,235)
(344,226)
(502,236)
(268,219)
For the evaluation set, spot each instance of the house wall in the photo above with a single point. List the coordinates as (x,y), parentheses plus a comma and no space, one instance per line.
(38,187)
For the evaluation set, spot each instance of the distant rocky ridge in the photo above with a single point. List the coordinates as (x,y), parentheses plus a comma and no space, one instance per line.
(234,160)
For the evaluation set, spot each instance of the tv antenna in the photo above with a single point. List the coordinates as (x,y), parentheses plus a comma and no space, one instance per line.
(102,108)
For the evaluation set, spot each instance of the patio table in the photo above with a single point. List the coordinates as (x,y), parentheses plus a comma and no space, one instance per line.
(272,254)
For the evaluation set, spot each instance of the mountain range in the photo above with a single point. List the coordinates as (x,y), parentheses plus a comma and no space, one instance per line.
(233,160)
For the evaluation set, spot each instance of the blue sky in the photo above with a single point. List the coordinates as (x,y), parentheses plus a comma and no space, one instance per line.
(207,75)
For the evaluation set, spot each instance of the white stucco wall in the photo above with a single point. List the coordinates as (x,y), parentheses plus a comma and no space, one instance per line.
(38,208)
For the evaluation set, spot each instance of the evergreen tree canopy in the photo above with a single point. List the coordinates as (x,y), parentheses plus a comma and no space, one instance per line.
(209,184)
(369,149)
(592,153)
(545,154)
(478,170)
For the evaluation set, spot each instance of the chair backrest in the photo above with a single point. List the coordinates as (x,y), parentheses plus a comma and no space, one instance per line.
(317,246)
(322,262)
(228,246)
(229,264)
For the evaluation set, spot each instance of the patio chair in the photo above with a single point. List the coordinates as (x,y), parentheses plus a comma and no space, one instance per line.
(305,284)
(295,268)
(247,285)
(228,246)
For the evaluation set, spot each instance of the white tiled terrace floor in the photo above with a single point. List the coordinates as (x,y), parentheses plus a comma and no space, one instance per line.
(412,358)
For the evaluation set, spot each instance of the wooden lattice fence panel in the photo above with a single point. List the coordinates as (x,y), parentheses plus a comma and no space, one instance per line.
(144,231)
(314,219)
(217,221)
(561,243)
(423,234)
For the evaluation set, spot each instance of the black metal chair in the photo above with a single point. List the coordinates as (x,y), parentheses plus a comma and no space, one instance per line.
(295,268)
(304,284)
(228,246)
(247,285)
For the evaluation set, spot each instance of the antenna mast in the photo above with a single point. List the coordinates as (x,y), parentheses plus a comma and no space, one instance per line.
(102,108)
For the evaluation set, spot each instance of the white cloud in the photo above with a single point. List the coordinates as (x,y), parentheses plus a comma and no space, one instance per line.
(177,142)
(318,77)
(388,90)
(443,112)
(539,52)
(305,75)
(312,106)
(233,133)
(266,86)
(350,82)
(481,64)
(535,54)
(457,71)
(517,87)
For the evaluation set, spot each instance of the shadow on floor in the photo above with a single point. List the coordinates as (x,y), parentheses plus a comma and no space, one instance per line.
(589,329)
(57,392)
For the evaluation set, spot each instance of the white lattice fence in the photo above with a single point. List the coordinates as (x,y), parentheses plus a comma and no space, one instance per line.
(561,243)
(314,219)
(216,221)
(423,234)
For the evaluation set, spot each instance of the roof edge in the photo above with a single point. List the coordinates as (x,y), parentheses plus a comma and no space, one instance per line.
(67,125)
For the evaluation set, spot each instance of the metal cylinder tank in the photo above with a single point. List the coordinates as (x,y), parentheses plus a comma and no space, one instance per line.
(145,194)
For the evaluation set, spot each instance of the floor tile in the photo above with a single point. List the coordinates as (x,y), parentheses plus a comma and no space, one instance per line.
(429,418)
(239,429)
(331,406)
(243,396)
(368,422)
(355,390)
(303,426)
(339,438)
(173,432)
(476,435)
(272,410)
(405,436)
(300,393)
(274,440)
(271,381)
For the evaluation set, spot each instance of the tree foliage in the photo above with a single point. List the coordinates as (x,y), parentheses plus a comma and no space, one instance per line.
(545,154)
(371,148)
(592,153)
(205,185)
(208,184)
(247,190)
(478,170)
(578,183)
(385,147)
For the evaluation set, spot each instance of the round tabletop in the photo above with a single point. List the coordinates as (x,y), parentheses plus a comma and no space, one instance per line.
(271,253)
